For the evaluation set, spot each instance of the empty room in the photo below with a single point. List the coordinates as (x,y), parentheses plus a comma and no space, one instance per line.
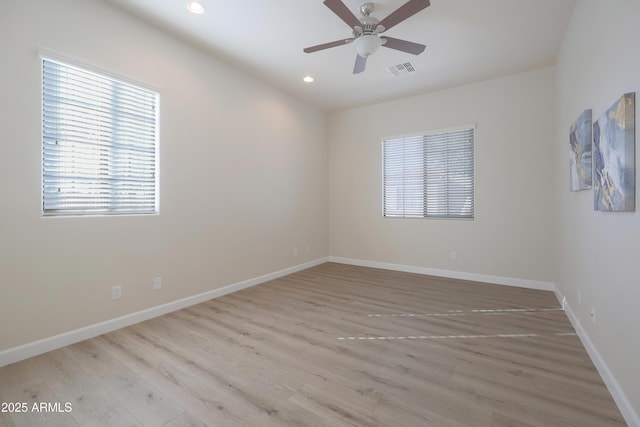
(319,213)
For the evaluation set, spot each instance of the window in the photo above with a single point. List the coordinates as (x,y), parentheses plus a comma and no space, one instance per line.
(429,175)
(99,144)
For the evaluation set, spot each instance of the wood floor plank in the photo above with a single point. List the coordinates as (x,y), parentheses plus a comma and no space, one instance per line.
(73,385)
(5,420)
(34,396)
(147,404)
(117,417)
(124,346)
(333,345)
(186,420)
(200,400)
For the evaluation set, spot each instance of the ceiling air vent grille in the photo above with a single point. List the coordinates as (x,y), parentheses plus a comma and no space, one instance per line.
(402,69)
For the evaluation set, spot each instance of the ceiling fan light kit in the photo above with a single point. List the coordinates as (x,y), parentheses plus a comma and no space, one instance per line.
(367,44)
(366,31)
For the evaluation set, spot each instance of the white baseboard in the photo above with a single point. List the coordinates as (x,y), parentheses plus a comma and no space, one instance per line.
(627,410)
(35,348)
(497,280)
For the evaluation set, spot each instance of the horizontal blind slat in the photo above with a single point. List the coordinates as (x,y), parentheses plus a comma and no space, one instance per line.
(99,143)
(429,175)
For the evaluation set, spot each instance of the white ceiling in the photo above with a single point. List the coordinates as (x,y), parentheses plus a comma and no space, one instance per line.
(467,41)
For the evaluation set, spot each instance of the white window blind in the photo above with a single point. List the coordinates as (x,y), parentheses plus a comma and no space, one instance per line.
(429,175)
(99,144)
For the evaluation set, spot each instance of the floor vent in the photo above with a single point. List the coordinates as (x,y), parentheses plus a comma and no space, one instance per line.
(402,69)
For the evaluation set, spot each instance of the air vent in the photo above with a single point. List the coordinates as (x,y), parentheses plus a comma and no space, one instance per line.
(402,69)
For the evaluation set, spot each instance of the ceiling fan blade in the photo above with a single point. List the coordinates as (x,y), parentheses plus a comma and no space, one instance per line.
(405,11)
(343,12)
(327,45)
(403,45)
(361,63)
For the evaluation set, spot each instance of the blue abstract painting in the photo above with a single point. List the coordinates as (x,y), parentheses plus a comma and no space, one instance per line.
(614,156)
(580,176)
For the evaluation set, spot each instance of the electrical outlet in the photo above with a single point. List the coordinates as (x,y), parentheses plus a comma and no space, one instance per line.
(453,256)
(116,292)
(157,283)
(593,315)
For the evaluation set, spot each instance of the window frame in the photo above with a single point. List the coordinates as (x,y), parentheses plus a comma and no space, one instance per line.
(154,208)
(467,127)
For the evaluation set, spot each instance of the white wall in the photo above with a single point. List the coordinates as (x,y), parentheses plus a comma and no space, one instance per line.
(243,177)
(598,253)
(511,235)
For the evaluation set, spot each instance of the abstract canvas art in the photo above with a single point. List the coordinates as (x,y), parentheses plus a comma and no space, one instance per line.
(580,153)
(614,140)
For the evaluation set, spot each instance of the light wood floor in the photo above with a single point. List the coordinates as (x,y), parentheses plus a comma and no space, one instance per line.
(334,345)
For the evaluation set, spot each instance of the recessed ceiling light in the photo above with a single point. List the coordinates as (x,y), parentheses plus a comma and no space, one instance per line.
(308,79)
(196,7)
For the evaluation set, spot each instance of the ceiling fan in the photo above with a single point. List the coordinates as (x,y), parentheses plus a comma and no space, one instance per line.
(366,31)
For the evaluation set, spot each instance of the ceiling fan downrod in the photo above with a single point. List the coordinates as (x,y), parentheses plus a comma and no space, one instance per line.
(369,23)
